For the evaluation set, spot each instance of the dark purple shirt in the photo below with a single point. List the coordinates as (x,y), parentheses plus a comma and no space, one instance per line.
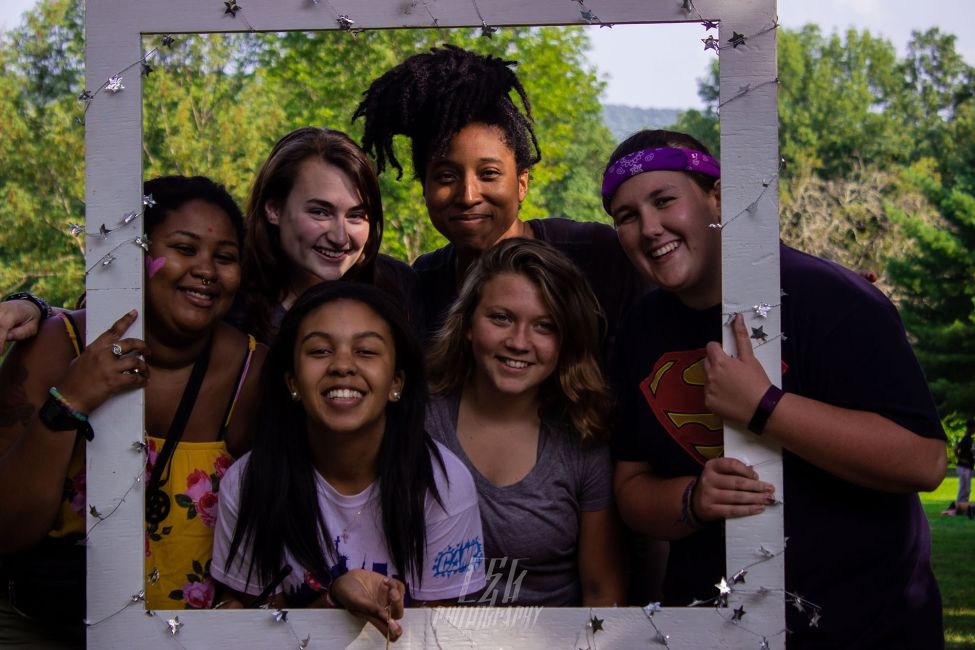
(593,247)
(861,554)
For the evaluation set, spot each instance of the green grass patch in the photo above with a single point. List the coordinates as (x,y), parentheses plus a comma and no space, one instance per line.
(953,559)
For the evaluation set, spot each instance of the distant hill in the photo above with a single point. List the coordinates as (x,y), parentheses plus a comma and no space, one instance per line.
(623,120)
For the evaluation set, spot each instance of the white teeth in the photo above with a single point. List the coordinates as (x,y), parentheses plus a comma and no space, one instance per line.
(199,295)
(330,253)
(343,393)
(511,363)
(663,250)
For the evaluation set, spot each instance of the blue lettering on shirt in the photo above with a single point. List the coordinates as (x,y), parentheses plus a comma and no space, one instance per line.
(458,558)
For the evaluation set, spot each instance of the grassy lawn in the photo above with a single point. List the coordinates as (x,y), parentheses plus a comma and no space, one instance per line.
(953,557)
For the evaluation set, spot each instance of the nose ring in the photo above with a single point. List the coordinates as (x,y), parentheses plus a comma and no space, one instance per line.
(207,282)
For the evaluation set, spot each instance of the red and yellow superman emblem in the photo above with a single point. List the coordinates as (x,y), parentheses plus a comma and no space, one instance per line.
(674,390)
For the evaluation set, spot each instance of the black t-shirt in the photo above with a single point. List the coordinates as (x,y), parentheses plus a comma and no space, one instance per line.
(860,554)
(593,247)
(964,453)
(392,276)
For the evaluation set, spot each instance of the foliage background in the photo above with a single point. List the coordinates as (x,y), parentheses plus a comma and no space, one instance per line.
(878,149)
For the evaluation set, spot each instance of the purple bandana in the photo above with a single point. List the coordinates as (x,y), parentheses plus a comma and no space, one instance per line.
(648,160)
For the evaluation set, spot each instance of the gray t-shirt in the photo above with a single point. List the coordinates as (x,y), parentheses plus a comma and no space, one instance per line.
(531,528)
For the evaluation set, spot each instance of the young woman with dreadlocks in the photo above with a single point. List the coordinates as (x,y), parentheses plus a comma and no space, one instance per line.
(472,149)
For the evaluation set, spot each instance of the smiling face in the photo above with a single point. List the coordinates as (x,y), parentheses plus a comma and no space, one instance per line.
(514,341)
(473,191)
(194,269)
(323,224)
(345,369)
(662,220)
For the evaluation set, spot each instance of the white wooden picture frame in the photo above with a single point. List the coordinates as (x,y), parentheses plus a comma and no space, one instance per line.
(749,131)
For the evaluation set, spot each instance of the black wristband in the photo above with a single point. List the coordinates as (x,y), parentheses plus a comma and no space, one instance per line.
(764,410)
(57,417)
(38,302)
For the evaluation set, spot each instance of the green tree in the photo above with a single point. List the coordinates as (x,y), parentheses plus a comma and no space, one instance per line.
(41,140)
(880,172)
(215,104)
(320,78)
(935,283)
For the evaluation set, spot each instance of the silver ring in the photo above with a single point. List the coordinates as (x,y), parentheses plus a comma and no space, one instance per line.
(116,349)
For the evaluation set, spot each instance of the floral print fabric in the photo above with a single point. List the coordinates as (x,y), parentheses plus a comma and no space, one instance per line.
(179,549)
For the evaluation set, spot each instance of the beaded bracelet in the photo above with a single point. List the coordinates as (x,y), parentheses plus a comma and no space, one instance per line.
(66,405)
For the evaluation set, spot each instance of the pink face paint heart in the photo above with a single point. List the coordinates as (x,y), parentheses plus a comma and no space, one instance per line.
(153,264)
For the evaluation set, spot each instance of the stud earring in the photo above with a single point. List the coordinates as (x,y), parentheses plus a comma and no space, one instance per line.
(295,396)
(395,396)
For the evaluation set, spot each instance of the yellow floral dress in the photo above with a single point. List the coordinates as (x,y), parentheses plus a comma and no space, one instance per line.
(180,547)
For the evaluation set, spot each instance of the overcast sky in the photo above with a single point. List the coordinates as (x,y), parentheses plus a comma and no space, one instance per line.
(672,57)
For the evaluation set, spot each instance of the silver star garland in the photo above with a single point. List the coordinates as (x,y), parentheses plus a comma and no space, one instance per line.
(114,84)
(174,625)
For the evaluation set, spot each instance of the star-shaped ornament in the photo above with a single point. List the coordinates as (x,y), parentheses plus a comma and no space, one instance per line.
(737,39)
(739,577)
(148,201)
(129,217)
(765,645)
(304,642)
(345,22)
(758,333)
(143,242)
(711,43)
(146,69)
(231,7)
(114,84)
(589,16)
(93,511)
(74,229)
(651,609)
(596,624)
(281,615)
(86,96)
(723,587)
(739,612)
(687,6)
(106,261)
(103,231)
(487,31)
(168,41)
(709,24)
(797,603)
(814,619)
(174,625)
(139,597)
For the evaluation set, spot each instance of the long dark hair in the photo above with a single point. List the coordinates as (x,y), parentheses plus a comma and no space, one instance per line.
(266,270)
(278,492)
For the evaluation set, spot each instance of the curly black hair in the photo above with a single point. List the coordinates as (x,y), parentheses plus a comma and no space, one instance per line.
(429,97)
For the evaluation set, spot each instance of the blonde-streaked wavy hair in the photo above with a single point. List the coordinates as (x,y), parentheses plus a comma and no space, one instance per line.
(576,393)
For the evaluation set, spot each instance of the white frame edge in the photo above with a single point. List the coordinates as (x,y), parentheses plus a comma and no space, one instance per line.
(113,140)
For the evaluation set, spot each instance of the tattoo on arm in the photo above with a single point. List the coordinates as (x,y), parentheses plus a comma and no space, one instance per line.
(15,408)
